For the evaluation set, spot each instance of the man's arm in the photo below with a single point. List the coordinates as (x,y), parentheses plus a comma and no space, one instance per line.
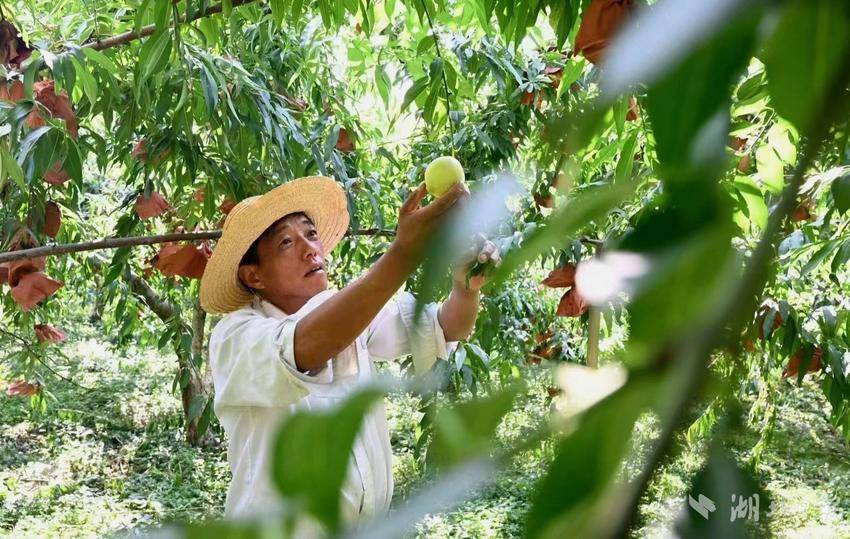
(331,327)
(457,314)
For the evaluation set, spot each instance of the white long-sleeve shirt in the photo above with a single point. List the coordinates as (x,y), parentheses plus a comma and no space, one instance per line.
(257,384)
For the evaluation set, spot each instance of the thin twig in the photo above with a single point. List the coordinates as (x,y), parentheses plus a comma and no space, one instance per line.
(130,241)
(443,73)
(132,35)
(35,356)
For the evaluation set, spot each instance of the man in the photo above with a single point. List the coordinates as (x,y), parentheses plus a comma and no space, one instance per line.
(289,342)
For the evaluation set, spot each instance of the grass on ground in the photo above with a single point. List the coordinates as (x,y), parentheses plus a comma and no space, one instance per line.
(113,460)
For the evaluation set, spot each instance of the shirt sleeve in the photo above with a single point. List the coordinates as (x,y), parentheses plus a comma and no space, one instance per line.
(394,333)
(252,360)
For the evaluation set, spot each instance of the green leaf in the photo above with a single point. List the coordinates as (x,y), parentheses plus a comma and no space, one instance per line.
(196,407)
(32,70)
(162,10)
(311,454)
(818,258)
(682,287)
(101,59)
(841,257)
(89,84)
(279,9)
(382,81)
(413,92)
(29,141)
(153,56)
(684,105)
(586,207)
(424,44)
(585,462)
(12,168)
(73,161)
(771,170)
(140,15)
(840,189)
(803,55)
(754,206)
(780,138)
(662,37)
(206,418)
(467,430)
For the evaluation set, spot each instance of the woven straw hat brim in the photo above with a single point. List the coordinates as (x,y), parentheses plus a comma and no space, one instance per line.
(320,197)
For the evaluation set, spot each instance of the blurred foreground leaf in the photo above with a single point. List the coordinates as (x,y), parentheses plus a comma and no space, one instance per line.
(565,504)
(312,453)
(467,429)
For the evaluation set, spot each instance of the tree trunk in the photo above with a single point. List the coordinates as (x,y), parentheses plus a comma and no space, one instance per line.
(199,386)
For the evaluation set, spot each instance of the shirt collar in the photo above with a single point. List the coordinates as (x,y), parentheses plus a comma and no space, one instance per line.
(271,310)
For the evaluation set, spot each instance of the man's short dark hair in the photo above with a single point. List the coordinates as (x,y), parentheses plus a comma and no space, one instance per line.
(252,255)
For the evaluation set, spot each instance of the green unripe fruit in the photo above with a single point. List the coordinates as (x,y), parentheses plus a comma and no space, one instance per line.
(442,174)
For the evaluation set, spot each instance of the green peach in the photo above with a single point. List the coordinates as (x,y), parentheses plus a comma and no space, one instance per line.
(442,174)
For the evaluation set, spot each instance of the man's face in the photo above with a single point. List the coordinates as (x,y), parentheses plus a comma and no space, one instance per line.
(291,263)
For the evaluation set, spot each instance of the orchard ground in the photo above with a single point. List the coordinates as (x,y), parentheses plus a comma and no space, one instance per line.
(113,460)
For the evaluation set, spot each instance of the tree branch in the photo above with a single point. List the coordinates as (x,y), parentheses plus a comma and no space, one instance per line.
(126,37)
(163,309)
(115,243)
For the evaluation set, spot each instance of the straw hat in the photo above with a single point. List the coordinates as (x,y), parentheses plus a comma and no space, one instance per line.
(321,198)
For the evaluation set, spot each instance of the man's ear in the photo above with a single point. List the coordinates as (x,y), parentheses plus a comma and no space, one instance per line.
(249,275)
